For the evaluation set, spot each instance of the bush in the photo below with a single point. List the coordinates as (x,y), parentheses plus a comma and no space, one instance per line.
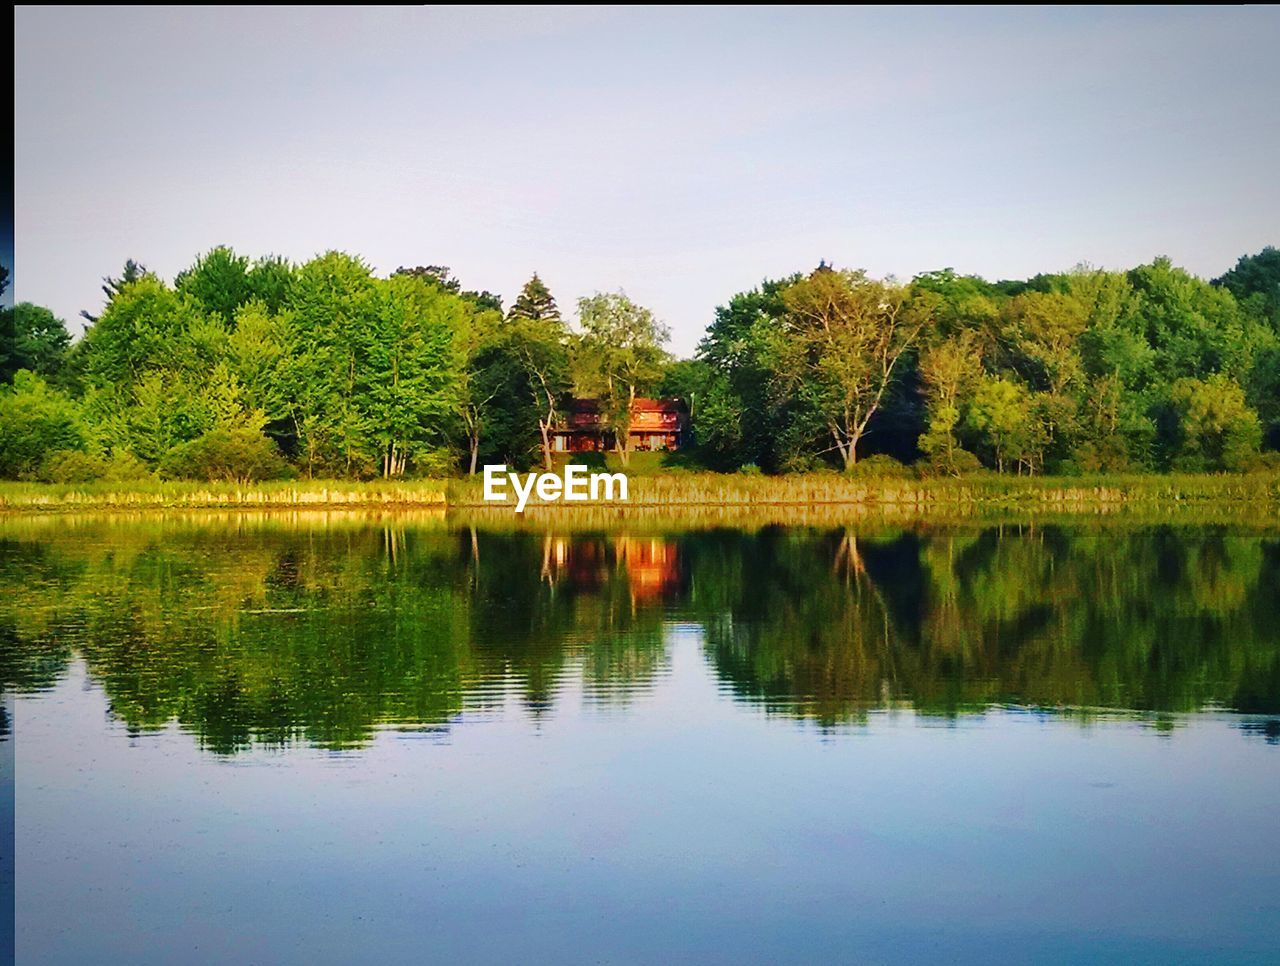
(72,466)
(1109,455)
(125,468)
(35,420)
(960,463)
(963,462)
(881,467)
(436,462)
(749,469)
(232,455)
(1268,462)
(801,463)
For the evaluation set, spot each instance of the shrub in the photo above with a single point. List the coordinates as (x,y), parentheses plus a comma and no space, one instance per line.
(880,466)
(35,420)
(959,462)
(72,466)
(749,469)
(1108,455)
(1268,462)
(435,463)
(233,455)
(125,467)
(801,463)
(1218,429)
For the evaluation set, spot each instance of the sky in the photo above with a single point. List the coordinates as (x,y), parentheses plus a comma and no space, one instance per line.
(678,155)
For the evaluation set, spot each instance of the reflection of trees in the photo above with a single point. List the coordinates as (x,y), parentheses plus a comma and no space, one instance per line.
(540,596)
(277,634)
(31,657)
(830,624)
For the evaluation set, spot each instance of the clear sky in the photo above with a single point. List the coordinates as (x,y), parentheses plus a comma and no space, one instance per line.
(681,155)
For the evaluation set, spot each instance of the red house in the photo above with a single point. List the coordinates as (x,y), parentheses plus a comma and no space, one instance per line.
(656,424)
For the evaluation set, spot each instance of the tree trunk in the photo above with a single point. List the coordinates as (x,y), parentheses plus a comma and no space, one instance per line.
(475,451)
(544,427)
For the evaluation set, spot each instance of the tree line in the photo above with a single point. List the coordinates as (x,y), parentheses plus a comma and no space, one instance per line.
(247,369)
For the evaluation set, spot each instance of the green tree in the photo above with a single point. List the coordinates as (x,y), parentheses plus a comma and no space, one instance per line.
(715,419)
(333,306)
(536,337)
(1003,413)
(1194,328)
(736,347)
(143,328)
(260,348)
(111,287)
(408,385)
(1264,391)
(535,303)
(949,368)
(619,356)
(270,281)
(218,282)
(35,420)
(1218,430)
(965,304)
(441,277)
(1255,283)
(32,338)
(839,349)
(483,377)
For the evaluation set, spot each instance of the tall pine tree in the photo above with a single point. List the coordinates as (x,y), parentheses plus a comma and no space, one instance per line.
(535,303)
(539,337)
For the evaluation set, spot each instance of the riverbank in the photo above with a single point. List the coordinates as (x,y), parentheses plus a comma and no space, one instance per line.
(1253,495)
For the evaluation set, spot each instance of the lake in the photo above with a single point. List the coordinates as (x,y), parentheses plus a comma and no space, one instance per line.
(334,738)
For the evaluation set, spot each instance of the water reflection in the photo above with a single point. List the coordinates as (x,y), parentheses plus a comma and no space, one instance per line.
(253,631)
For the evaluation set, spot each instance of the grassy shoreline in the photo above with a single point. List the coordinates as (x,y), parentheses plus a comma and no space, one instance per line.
(1255,494)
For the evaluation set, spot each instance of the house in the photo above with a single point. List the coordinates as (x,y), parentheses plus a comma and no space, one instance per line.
(656,424)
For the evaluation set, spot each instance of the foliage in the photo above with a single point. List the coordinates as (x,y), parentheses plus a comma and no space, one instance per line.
(75,466)
(35,420)
(218,282)
(840,346)
(880,466)
(349,374)
(1217,430)
(535,365)
(72,466)
(233,455)
(111,287)
(1007,423)
(735,347)
(619,356)
(535,302)
(1255,283)
(32,338)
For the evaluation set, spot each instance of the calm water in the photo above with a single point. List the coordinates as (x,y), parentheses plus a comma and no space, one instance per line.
(336,739)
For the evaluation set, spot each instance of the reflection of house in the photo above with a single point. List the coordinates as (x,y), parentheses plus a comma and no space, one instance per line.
(652,565)
(656,424)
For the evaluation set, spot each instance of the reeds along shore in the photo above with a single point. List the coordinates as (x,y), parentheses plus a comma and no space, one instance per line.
(1255,496)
